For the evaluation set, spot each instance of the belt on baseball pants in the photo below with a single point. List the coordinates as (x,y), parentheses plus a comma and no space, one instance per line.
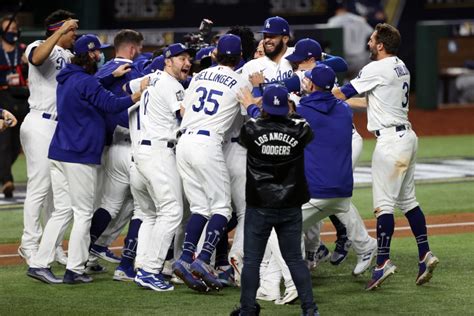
(49,116)
(197,132)
(234,140)
(147,142)
(397,129)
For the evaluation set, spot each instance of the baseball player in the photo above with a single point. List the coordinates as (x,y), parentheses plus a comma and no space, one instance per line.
(210,107)
(307,54)
(116,196)
(386,84)
(75,153)
(46,58)
(160,112)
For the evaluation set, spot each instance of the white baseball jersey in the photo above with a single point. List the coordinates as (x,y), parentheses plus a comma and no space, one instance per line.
(386,83)
(134,126)
(158,106)
(213,91)
(272,71)
(42,79)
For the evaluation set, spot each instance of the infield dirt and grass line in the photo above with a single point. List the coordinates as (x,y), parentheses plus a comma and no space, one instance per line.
(437,225)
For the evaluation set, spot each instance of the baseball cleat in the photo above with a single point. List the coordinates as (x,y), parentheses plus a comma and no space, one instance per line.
(124,274)
(104,253)
(182,270)
(60,256)
(340,252)
(427,266)
(44,275)
(225,275)
(71,277)
(314,259)
(289,297)
(263,295)
(364,261)
(152,281)
(205,272)
(380,274)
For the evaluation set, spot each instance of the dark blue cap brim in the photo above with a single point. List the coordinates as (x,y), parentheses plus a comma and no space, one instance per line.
(273,33)
(295,57)
(273,110)
(104,46)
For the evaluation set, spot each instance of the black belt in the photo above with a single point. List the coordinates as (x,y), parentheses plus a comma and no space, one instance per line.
(234,140)
(147,142)
(397,129)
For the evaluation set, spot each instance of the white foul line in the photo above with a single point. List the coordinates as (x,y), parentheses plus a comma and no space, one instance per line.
(372,230)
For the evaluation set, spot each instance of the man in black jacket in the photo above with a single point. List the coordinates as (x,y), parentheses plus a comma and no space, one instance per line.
(275,190)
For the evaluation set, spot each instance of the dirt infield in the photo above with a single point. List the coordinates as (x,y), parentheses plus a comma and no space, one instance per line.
(445,121)
(437,225)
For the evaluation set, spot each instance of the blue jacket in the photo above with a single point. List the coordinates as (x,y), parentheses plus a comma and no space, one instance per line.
(115,85)
(328,158)
(81,102)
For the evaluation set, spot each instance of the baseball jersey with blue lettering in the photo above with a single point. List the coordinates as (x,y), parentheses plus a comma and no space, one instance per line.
(386,83)
(213,91)
(42,78)
(158,106)
(271,70)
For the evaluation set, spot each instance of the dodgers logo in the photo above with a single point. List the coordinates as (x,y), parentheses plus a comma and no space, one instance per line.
(276,101)
(267,26)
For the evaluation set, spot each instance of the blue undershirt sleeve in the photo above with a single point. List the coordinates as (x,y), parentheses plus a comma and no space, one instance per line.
(348,90)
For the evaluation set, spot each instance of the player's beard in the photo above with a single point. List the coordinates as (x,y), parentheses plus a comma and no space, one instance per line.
(278,49)
(373,53)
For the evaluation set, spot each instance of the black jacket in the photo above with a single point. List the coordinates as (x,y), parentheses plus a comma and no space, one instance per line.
(275,161)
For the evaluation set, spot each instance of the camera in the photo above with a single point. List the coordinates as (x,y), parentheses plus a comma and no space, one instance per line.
(198,40)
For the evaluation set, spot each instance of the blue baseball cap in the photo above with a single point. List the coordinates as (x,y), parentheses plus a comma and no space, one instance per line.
(87,43)
(276,25)
(275,100)
(158,63)
(229,44)
(305,48)
(204,52)
(322,76)
(176,49)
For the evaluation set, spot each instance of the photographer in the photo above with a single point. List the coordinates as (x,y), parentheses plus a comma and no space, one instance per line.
(13,96)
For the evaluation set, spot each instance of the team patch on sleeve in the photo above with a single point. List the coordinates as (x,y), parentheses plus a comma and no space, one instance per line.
(180,95)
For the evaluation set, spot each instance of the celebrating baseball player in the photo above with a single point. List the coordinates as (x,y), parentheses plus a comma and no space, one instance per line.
(160,112)
(386,83)
(46,58)
(210,107)
(75,154)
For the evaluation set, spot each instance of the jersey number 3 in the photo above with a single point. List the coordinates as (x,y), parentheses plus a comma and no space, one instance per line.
(210,99)
(406,89)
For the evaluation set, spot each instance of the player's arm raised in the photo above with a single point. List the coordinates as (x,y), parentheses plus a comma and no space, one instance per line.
(42,51)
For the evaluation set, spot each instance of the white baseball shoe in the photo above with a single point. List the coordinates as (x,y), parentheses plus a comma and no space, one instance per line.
(365,260)
(264,295)
(289,297)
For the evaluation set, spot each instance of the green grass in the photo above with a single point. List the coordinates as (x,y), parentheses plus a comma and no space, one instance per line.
(428,147)
(335,290)
(19,169)
(432,147)
(435,199)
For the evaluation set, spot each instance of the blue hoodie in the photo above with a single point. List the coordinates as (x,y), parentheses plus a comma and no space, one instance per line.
(115,86)
(81,102)
(328,157)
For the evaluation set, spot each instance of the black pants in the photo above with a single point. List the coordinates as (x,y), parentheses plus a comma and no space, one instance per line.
(10,146)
